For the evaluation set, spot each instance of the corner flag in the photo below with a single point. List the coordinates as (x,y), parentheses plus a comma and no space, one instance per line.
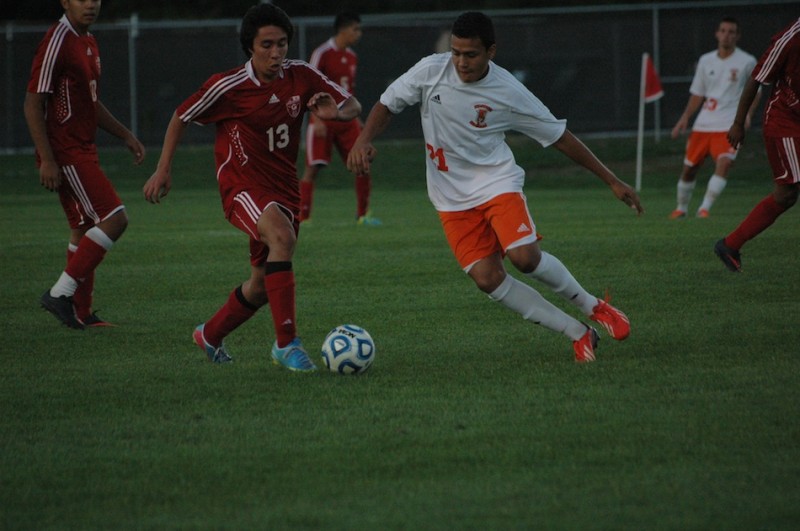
(649,91)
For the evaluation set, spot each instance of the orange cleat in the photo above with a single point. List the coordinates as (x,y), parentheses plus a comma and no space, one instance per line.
(584,347)
(614,321)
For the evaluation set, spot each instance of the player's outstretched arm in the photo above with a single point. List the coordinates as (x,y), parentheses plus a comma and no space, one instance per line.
(159,184)
(323,106)
(363,152)
(572,147)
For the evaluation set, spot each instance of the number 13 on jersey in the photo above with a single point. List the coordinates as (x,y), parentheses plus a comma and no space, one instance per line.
(437,154)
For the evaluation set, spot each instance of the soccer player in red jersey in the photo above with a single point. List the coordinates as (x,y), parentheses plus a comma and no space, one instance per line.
(258,110)
(63,111)
(336,59)
(779,66)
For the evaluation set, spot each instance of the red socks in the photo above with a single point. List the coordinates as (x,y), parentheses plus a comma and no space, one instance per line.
(82,299)
(233,313)
(280,286)
(306,198)
(762,216)
(363,187)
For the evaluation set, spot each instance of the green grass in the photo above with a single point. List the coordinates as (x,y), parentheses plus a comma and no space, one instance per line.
(470,418)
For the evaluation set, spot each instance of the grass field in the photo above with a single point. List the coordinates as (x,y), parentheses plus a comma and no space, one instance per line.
(470,418)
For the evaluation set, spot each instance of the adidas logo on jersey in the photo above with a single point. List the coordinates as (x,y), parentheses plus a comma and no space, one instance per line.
(523,228)
(436,99)
(274,99)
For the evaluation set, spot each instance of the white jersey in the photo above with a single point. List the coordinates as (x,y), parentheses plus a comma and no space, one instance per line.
(464,125)
(720,82)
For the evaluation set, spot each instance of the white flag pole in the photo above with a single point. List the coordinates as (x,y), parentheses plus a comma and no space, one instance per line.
(640,134)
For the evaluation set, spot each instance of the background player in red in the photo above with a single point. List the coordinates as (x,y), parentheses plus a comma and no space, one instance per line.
(778,66)
(63,111)
(258,110)
(338,61)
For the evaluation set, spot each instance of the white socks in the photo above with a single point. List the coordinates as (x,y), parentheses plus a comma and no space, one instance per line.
(684,194)
(716,185)
(530,304)
(557,277)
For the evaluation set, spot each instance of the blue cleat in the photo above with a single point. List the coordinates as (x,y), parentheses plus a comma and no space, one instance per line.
(215,354)
(293,356)
(368,221)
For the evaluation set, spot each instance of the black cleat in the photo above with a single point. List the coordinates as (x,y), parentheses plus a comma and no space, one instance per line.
(730,257)
(63,308)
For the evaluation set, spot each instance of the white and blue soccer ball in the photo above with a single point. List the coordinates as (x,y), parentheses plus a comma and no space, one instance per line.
(348,349)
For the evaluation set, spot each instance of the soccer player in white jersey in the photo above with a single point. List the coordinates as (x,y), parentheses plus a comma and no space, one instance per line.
(467,103)
(716,87)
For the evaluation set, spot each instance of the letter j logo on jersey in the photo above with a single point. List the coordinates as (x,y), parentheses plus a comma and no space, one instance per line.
(480,119)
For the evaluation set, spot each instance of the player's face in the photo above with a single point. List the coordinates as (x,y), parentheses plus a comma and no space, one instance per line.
(727,35)
(269,50)
(81,13)
(471,58)
(352,33)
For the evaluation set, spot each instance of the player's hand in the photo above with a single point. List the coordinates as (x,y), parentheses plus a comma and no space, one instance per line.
(360,158)
(157,186)
(736,135)
(323,106)
(627,195)
(50,175)
(680,127)
(137,148)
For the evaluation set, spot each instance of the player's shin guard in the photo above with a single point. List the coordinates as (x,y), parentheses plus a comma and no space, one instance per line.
(235,312)
(363,189)
(82,299)
(759,219)
(529,303)
(557,277)
(280,285)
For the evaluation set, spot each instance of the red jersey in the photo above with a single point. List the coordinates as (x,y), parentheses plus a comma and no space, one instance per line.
(67,67)
(780,67)
(258,125)
(338,65)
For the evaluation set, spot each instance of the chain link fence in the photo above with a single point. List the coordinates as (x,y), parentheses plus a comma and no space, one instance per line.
(583,63)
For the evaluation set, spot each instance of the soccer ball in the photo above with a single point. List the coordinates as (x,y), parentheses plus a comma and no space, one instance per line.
(348,349)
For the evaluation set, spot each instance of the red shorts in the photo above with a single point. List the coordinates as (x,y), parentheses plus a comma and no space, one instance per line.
(87,196)
(245,209)
(701,144)
(500,224)
(784,158)
(341,134)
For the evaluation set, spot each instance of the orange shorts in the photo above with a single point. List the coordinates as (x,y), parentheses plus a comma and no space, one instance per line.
(701,144)
(500,224)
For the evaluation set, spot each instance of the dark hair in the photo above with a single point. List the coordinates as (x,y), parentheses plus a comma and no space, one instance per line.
(344,19)
(259,16)
(474,24)
(731,20)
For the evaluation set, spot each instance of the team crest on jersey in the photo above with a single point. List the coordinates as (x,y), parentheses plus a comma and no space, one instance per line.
(734,75)
(293,106)
(480,120)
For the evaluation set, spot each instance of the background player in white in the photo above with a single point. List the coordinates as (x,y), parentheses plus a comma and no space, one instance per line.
(467,103)
(336,59)
(716,87)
